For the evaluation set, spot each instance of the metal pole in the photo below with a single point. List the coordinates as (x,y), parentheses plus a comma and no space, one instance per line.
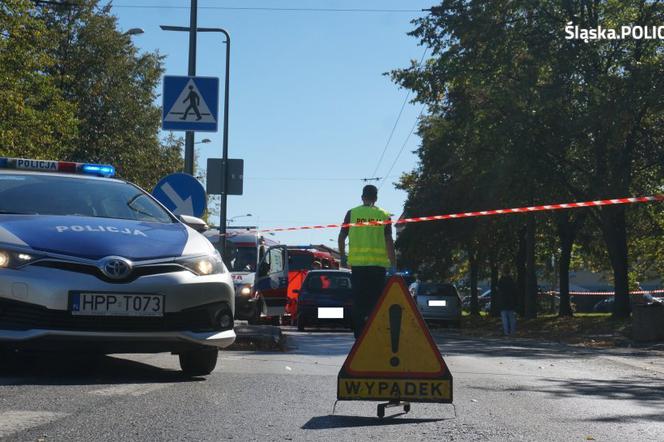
(224,196)
(189,136)
(223,212)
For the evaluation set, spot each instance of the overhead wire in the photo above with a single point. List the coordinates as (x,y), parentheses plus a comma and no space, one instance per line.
(270,9)
(403,105)
(403,146)
(304,179)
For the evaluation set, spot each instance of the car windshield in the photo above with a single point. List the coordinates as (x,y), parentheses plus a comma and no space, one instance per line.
(37,194)
(241,259)
(300,261)
(324,282)
(430,288)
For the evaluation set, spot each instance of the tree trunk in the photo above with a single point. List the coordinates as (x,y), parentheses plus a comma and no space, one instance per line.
(531,278)
(474,304)
(615,235)
(521,272)
(566,242)
(494,289)
(566,233)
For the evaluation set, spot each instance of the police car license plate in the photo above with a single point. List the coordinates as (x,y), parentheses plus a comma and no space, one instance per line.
(330,312)
(116,304)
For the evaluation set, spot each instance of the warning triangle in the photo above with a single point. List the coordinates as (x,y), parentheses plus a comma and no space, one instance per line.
(190,106)
(395,342)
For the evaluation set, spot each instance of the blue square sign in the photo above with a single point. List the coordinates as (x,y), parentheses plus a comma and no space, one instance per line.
(190,103)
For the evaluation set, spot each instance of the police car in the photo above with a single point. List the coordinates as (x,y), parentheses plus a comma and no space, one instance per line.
(92,263)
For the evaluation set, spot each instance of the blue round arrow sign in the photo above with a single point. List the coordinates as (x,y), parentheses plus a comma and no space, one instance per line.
(182,194)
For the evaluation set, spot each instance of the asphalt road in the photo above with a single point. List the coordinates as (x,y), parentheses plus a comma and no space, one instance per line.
(503,390)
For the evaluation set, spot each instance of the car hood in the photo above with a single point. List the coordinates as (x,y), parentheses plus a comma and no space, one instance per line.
(95,238)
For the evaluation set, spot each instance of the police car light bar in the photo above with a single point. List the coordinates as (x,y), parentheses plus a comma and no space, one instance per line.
(103,170)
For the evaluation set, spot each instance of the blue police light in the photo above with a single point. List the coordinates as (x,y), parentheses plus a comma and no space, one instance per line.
(98,169)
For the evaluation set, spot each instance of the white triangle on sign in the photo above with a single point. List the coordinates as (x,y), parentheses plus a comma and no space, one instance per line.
(190,107)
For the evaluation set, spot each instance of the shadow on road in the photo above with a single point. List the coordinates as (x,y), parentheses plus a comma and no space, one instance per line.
(653,417)
(65,369)
(646,391)
(450,343)
(339,421)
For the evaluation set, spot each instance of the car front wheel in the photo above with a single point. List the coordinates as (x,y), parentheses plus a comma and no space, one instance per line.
(199,362)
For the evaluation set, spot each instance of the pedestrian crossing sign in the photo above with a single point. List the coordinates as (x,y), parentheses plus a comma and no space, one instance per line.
(395,358)
(190,103)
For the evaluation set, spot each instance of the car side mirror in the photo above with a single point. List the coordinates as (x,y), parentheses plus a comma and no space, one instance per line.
(195,223)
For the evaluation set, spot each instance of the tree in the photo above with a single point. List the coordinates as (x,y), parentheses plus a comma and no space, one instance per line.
(554,117)
(113,88)
(35,120)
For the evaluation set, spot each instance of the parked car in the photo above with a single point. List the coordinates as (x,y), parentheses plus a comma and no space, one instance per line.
(605,305)
(325,298)
(438,302)
(484,301)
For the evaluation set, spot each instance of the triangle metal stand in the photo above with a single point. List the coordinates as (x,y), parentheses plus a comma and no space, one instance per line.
(380,410)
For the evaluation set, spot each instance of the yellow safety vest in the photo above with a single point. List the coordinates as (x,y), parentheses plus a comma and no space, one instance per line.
(367,243)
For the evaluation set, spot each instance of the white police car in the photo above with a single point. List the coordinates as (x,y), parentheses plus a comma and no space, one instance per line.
(92,263)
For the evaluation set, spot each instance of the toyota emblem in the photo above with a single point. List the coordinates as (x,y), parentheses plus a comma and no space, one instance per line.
(115,267)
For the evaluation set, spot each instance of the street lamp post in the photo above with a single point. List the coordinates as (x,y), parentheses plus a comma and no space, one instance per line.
(238,216)
(224,196)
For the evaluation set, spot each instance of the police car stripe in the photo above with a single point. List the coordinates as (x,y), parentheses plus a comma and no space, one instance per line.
(8,237)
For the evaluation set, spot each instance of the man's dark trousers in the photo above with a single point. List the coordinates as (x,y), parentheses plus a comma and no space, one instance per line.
(368,283)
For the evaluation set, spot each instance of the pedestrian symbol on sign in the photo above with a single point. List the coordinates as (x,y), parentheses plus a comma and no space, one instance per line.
(193,99)
(190,106)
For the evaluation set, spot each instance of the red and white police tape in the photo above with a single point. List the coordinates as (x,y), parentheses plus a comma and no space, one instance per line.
(634,292)
(529,209)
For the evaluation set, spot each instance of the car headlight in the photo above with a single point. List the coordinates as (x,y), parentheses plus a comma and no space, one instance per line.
(245,290)
(204,265)
(15,259)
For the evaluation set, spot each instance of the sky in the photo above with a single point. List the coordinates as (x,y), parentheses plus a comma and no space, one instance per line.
(310,110)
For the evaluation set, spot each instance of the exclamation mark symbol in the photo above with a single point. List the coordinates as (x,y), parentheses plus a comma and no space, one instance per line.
(395,331)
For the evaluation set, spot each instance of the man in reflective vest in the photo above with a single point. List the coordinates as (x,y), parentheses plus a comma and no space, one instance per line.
(371,252)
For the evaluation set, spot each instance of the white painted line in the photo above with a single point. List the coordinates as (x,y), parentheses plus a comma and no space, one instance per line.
(15,421)
(129,389)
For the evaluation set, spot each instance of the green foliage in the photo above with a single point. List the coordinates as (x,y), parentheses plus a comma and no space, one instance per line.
(73,87)
(35,120)
(114,89)
(520,115)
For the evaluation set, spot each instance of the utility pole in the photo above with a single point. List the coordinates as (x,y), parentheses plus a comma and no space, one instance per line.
(189,135)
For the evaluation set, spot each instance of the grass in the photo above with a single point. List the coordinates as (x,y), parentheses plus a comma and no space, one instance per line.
(589,329)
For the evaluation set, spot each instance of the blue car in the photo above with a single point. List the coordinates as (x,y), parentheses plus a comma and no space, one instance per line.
(325,299)
(96,264)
